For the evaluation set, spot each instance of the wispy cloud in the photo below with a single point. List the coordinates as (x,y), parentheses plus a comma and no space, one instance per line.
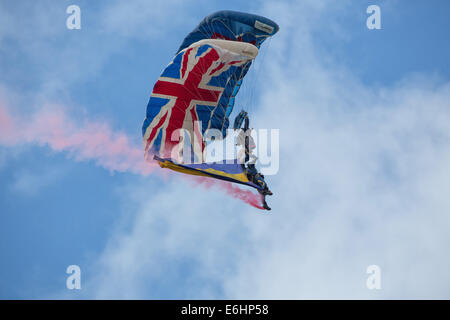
(154,21)
(30,182)
(181,242)
(54,58)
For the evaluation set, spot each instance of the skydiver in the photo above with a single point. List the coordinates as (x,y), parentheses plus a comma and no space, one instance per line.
(247,158)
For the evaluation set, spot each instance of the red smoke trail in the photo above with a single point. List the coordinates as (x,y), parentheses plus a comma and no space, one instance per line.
(247,196)
(92,141)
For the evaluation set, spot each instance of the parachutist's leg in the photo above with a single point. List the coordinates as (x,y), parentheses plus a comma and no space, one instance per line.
(265,206)
(259,180)
(265,191)
(251,169)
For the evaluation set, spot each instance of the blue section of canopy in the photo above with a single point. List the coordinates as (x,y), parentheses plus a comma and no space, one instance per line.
(237,26)
(232,25)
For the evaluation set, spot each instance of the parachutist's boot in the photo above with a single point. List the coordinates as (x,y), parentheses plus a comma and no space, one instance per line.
(265,206)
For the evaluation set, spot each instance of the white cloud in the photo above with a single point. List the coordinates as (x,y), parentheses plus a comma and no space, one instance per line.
(144,19)
(169,244)
(31,182)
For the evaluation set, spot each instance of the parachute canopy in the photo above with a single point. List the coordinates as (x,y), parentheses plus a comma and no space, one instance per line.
(196,91)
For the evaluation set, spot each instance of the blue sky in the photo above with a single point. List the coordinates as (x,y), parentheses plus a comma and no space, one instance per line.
(364,171)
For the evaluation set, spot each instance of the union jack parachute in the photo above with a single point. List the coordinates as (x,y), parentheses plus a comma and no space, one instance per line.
(196,92)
